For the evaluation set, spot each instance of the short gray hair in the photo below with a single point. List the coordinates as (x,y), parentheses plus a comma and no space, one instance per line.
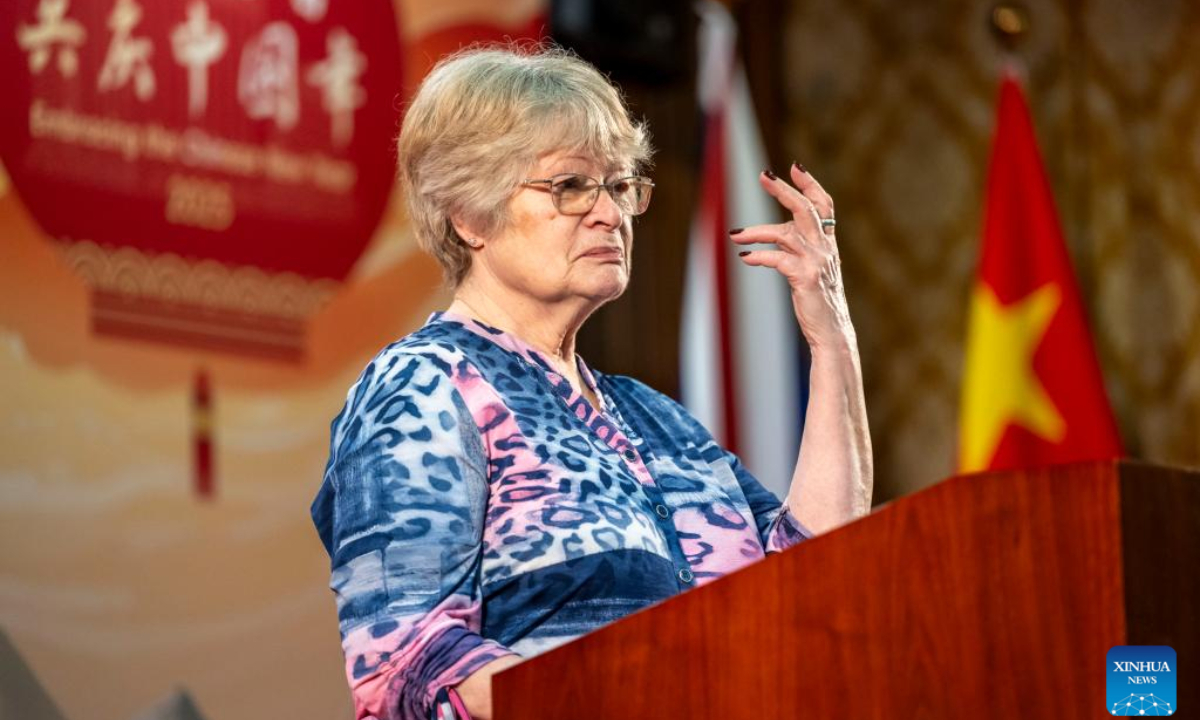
(479,121)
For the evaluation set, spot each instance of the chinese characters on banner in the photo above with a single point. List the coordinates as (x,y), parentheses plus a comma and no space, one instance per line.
(197,43)
(267,86)
(211,167)
(127,57)
(53,35)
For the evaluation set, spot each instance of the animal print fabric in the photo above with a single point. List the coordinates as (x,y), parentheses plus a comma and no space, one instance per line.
(474,506)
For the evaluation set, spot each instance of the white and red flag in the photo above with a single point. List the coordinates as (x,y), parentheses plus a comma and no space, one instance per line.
(743,373)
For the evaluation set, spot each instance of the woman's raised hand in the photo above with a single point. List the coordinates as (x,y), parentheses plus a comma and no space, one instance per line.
(804,250)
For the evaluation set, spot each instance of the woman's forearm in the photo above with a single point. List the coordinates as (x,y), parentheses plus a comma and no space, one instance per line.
(833,479)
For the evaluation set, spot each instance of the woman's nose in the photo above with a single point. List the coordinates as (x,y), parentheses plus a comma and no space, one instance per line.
(606,210)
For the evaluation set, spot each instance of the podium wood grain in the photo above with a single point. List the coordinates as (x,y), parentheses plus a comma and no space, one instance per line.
(995,595)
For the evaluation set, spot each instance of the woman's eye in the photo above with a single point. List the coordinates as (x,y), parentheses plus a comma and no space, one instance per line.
(621,187)
(572,183)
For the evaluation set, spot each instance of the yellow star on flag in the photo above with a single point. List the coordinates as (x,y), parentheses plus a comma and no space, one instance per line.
(1000,386)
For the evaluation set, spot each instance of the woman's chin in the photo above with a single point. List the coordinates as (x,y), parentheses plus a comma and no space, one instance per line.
(607,285)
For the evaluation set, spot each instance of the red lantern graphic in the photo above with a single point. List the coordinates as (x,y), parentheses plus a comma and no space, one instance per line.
(212,168)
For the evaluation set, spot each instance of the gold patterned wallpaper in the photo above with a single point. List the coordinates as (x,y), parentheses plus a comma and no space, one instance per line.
(893,110)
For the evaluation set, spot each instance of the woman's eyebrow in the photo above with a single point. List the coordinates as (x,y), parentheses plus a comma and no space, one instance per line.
(584,165)
(591,163)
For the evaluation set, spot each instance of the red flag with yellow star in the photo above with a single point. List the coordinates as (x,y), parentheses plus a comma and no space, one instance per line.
(1032,389)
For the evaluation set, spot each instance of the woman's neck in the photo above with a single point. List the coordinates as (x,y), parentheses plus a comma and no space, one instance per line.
(550,329)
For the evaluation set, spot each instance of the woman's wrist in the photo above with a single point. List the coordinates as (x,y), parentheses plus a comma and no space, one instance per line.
(835,347)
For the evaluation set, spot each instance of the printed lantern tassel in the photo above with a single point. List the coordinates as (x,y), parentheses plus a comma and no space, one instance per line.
(202,445)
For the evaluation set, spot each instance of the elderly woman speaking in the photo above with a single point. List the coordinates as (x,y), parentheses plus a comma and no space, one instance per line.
(488,495)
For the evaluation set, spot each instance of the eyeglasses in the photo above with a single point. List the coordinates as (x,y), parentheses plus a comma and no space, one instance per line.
(575,194)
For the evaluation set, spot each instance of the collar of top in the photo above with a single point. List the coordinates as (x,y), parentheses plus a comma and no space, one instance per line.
(525,351)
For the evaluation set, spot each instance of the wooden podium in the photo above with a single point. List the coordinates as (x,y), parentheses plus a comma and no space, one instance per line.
(989,596)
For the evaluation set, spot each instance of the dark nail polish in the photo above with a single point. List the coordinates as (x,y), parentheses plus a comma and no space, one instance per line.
(735,231)
(770,175)
(744,253)
(800,167)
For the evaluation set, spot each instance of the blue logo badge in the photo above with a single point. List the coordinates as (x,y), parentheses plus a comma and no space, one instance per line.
(1141,680)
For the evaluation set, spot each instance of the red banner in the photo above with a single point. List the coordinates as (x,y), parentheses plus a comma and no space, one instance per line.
(209,166)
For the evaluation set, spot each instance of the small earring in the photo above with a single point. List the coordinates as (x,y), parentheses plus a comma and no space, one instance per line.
(471,242)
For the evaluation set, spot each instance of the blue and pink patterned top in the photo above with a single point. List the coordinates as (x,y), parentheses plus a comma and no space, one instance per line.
(475,505)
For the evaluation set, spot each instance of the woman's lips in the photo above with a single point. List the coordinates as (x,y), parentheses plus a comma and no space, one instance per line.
(606,254)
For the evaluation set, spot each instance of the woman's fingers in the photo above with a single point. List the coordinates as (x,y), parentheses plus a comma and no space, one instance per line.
(808,186)
(759,233)
(766,258)
(809,204)
(788,196)
(804,212)
(783,234)
(804,252)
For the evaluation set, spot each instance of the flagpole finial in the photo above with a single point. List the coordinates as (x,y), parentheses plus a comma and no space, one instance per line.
(1009,22)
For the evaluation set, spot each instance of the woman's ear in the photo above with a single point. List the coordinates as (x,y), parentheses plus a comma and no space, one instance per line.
(470,237)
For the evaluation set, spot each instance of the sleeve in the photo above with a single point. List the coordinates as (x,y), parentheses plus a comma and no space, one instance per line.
(401,512)
(778,528)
